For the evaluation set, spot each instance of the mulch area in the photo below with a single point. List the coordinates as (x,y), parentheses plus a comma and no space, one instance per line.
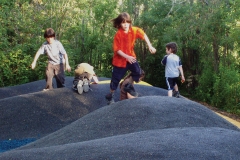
(215,109)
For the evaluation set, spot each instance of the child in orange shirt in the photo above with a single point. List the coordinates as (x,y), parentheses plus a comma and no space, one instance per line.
(124,57)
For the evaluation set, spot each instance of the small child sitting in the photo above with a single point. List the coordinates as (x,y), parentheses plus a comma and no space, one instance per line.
(84,74)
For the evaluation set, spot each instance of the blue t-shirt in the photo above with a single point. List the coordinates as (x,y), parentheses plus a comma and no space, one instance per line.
(54,51)
(172,63)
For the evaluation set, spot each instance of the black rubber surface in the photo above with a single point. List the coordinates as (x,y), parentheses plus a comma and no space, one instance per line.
(67,125)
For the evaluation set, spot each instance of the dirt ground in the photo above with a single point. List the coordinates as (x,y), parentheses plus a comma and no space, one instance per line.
(230,115)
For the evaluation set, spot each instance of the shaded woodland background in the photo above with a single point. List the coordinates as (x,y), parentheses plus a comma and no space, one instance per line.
(207,33)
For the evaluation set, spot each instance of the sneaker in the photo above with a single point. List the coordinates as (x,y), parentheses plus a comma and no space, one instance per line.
(45,90)
(74,87)
(110,98)
(85,85)
(176,94)
(75,83)
(80,86)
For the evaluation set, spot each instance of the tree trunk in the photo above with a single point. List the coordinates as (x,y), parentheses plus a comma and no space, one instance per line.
(215,54)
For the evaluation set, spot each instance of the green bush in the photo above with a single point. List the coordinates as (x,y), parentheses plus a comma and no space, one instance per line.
(226,89)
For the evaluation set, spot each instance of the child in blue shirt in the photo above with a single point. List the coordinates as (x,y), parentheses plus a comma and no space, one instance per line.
(173,66)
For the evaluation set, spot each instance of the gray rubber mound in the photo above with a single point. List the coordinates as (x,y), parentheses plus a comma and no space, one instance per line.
(128,116)
(72,126)
(32,87)
(176,143)
(39,113)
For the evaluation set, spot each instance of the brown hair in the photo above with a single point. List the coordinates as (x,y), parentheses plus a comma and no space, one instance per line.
(173,46)
(123,17)
(49,32)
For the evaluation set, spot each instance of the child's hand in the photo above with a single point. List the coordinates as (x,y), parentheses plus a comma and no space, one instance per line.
(152,50)
(182,79)
(68,68)
(131,59)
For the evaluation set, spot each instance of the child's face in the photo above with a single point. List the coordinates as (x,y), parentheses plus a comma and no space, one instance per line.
(50,40)
(168,51)
(125,26)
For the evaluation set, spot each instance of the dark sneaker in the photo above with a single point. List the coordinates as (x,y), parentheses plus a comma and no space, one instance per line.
(80,86)
(130,89)
(110,98)
(176,94)
(74,87)
(85,85)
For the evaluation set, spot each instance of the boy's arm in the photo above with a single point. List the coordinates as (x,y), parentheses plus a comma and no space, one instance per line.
(130,59)
(95,79)
(181,72)
(68,68)
(164,60)
(150,47)
(33,65)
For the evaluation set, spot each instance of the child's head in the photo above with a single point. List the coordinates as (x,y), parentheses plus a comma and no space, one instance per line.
(49,35)
(123,17)
(172,46)
(49,32)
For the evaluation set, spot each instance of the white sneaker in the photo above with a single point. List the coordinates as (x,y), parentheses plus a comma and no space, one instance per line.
(85,85)
(80,86)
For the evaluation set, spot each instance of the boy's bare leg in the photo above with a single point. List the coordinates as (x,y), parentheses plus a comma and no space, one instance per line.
(176,87)
(169,93)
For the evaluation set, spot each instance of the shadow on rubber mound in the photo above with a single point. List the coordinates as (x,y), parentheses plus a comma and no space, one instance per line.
(173,144)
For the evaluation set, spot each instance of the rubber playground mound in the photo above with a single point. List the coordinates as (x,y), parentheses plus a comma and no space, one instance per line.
(61,124)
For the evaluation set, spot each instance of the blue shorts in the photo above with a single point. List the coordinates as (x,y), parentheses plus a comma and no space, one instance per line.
(119,72)
(171,82)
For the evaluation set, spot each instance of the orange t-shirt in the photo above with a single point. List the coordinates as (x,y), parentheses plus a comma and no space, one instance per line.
(125,42)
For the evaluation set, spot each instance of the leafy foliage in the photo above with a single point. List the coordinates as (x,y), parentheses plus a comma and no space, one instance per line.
(225,89)
(207,34)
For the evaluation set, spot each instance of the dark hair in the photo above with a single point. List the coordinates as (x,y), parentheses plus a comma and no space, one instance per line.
(49,32)
(123,17)
(173,46)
